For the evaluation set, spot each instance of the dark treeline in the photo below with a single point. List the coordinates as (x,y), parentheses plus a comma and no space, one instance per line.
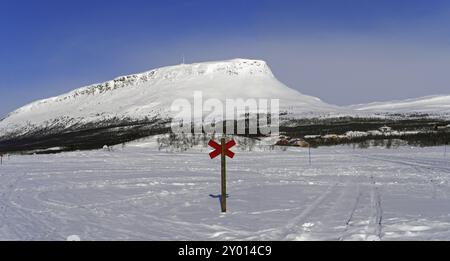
(419,139)
(84,138)
(339,126)
(426,136)
(118,131)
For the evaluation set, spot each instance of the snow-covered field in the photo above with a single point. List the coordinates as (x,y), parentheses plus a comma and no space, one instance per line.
(143,194)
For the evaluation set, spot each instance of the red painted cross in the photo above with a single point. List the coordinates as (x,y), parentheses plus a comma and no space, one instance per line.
(218,149)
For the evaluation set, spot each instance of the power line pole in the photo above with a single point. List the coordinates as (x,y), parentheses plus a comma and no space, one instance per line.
(309,152)
(445,150)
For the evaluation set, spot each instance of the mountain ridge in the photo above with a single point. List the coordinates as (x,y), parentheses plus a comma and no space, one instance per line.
(149,94)
(426,104)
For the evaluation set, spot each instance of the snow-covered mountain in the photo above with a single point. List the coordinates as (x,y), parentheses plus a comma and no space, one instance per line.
(429,104)
(150,95)
(135,106)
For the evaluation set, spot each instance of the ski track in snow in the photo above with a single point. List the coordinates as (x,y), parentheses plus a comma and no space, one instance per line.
(143,194)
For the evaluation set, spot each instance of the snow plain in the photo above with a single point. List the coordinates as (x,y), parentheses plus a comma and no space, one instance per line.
(140,193)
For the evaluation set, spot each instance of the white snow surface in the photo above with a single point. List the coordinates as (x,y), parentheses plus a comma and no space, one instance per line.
(140,193)
(150,94)
(429,104)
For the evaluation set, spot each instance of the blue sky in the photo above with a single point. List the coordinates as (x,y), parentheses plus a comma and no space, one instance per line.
(343,51)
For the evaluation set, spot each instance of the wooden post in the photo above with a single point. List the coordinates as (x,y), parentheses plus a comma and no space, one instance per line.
(1,159)
(223,177)
(222,149)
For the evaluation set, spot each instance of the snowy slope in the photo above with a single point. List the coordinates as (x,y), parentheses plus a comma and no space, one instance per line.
(151,93)
(429,104)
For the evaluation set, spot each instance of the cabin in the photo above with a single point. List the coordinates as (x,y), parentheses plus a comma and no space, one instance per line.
(300,143)
(356,134)
(282,141)
(311,137)
(385,129)
(331,136)
(442,128)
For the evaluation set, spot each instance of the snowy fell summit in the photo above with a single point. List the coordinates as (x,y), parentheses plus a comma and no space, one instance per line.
(133,103)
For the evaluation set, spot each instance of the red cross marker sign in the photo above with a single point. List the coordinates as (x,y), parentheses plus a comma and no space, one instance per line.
(218,149)
(222,149)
